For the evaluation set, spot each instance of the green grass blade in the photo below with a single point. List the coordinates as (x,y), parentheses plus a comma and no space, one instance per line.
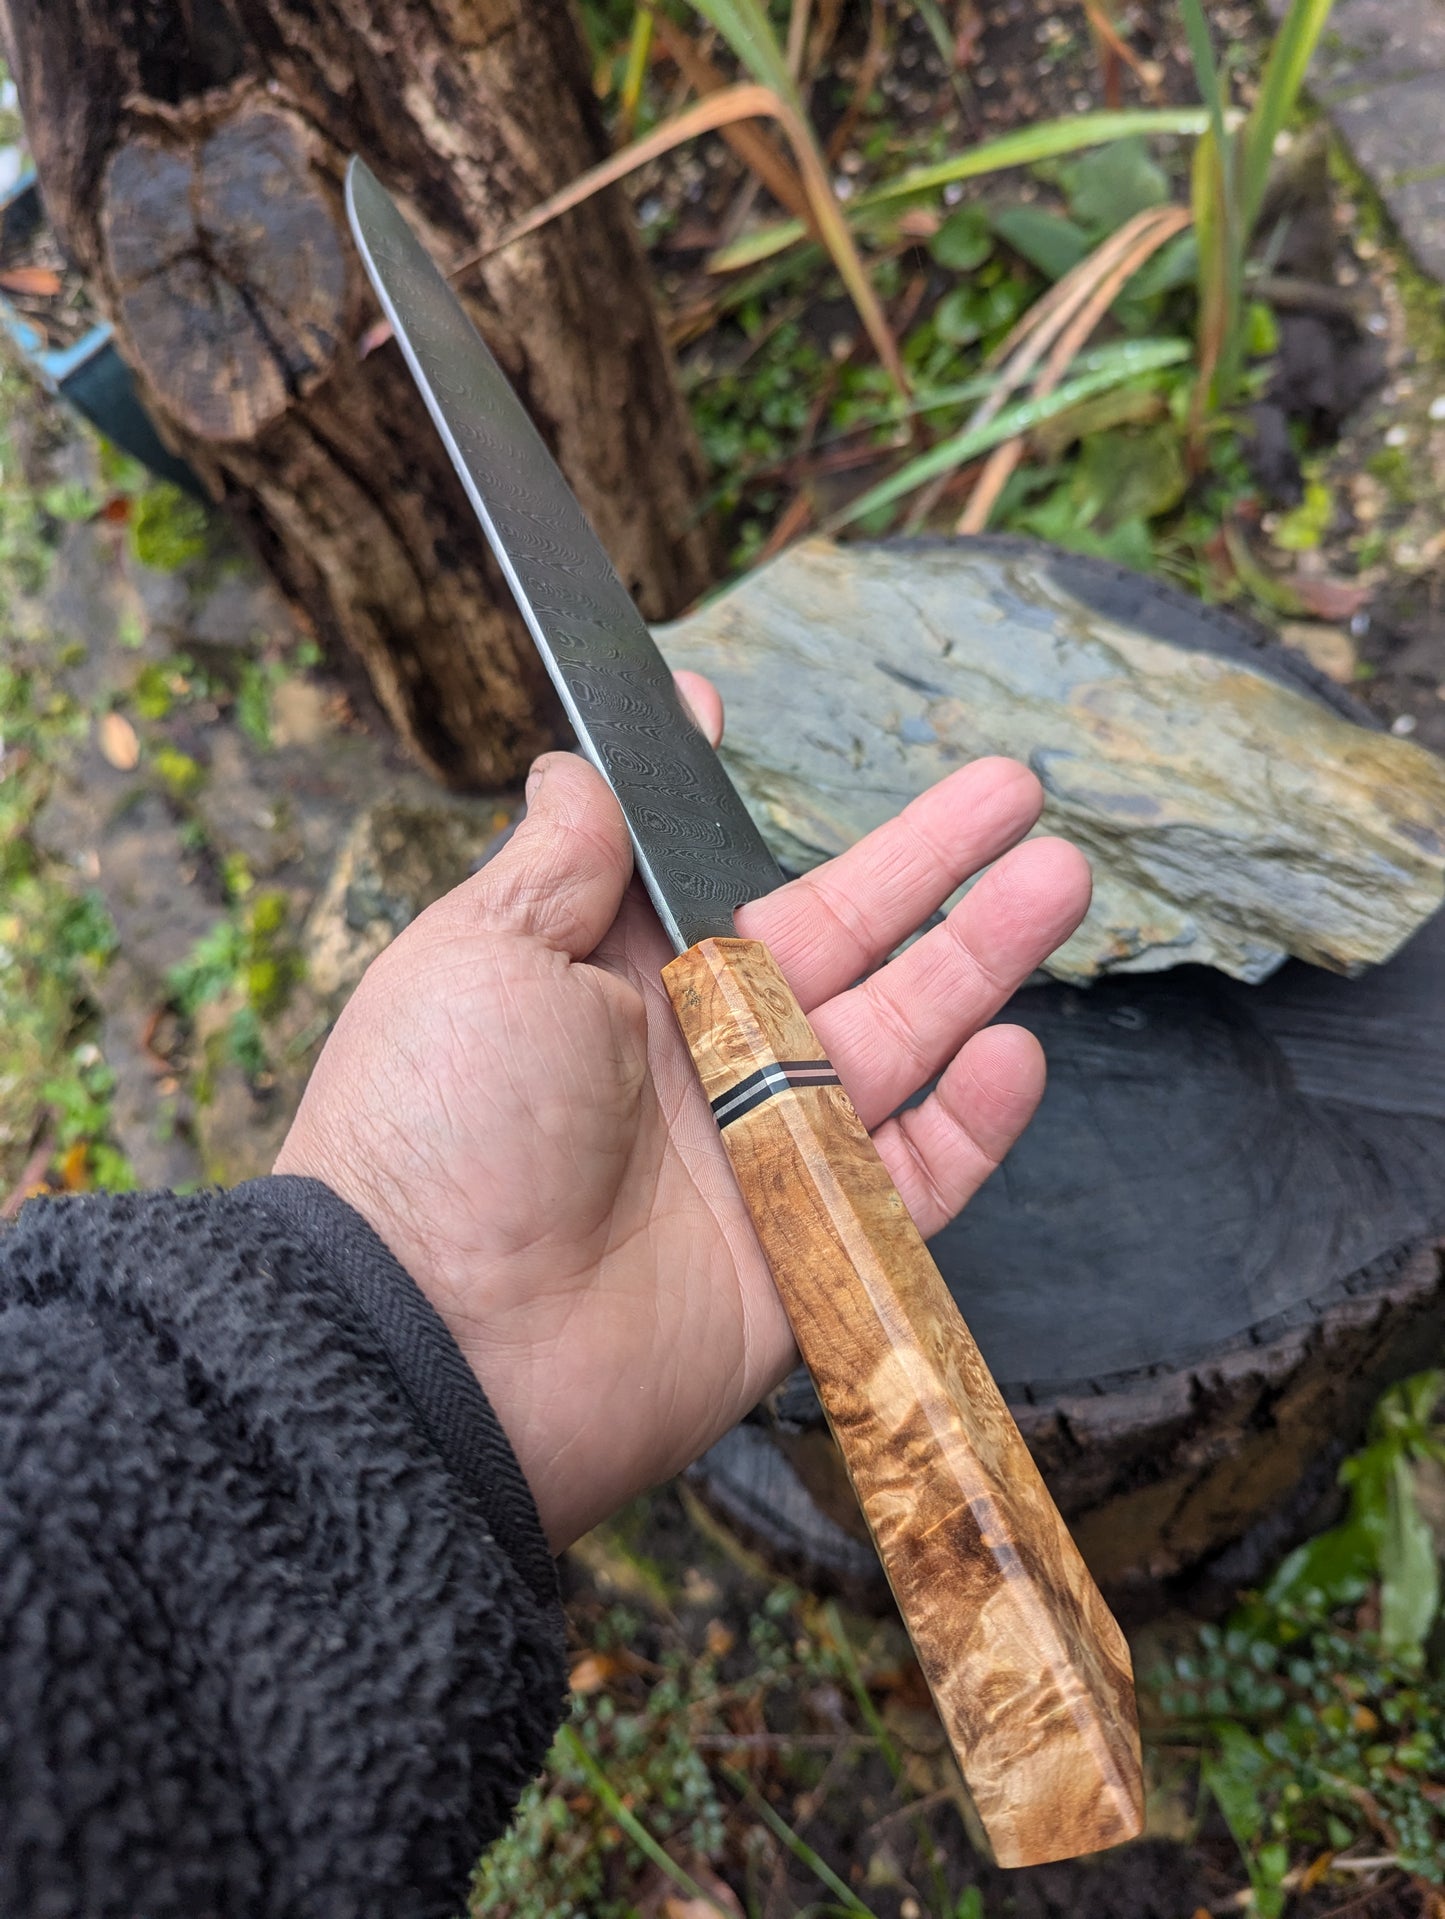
(1284,75)
(1022,418)
(872,1718)
(630,1823)
(1029,145)
(639,49)
(1123,357)
(1020,149)
(799,1847)
(1206,69)
(931,14)
(748,31)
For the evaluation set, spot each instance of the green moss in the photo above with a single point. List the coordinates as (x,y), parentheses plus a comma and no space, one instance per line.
(1419,295)
(168,529)
(1305,526)
(181,776)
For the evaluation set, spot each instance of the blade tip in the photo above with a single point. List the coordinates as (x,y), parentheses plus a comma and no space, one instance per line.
(359,179)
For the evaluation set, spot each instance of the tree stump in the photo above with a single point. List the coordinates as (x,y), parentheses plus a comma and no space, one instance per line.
(191,155)
(1221,1238)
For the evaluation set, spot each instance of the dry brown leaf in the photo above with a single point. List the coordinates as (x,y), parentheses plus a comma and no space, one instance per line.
(720,1638)
(723,1900)
(75,1167)
(40,281)
(1315,1871)
(592,1672)
(1326,596)
(118,743)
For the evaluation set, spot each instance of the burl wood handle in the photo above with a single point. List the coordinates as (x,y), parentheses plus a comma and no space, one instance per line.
(1029,1671)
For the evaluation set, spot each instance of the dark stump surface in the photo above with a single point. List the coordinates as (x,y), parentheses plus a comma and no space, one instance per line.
(1217,1243)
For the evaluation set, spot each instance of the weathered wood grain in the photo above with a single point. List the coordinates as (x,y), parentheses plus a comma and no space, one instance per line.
(1030,1673)
(230,271)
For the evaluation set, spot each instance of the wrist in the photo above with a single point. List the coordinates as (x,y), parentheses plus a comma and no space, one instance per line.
(382,1222)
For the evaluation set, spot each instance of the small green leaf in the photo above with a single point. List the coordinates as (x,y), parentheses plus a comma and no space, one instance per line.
(1409,1569)
(964,241)
(1272,1862)
(956,318)
(182,776)
(168,529)
(1261,331)
(152,694)
(69,500)
(1175,265)
(1046,240)
(1233,1778)
(253,703)
(1338,1565)
(1138,405)
(1133,473)
(1113,183)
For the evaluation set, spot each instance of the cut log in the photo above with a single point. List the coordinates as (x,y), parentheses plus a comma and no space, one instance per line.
(1217,1244)
(1219,1241)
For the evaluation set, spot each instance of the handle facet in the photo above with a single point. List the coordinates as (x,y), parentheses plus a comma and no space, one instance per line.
(1029,1670)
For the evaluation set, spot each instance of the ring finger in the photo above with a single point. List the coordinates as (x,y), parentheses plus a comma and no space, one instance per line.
(894,1031)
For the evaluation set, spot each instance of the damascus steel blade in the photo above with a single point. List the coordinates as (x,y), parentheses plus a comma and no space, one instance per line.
(696,847)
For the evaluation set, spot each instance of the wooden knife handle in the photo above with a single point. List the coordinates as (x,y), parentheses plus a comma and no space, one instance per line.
(1029,1671)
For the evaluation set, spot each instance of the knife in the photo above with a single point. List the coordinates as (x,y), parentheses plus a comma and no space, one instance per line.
(1028,1669)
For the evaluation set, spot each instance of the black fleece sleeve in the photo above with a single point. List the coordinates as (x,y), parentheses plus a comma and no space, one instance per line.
(279,1632)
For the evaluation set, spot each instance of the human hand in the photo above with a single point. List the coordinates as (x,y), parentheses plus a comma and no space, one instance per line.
(508,1101)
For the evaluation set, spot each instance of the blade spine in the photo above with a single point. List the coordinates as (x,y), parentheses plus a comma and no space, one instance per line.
(498,548)
(372,213)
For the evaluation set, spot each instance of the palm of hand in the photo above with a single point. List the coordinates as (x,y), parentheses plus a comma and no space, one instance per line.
(509,1103)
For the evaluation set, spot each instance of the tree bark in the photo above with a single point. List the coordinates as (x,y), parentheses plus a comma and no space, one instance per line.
(191,154)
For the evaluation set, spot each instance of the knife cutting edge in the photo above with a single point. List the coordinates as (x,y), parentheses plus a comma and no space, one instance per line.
(1028,1669)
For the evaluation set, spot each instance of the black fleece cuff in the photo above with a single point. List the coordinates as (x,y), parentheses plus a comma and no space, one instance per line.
(442,1390)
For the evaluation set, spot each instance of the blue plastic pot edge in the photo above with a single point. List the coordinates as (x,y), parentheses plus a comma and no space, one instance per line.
(91,378)
(54,364)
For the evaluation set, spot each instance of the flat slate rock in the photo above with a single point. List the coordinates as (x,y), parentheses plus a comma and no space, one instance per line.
(1235,810)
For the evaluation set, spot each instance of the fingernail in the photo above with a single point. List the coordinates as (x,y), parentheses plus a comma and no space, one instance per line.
(534,782)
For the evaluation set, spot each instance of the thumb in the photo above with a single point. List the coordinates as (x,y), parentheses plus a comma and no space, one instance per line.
(561,876)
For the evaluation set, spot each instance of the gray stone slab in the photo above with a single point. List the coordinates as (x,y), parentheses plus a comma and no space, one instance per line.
(1418,209)
(1369,43)
(1380,73)
(1396,132)
(1231,817)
